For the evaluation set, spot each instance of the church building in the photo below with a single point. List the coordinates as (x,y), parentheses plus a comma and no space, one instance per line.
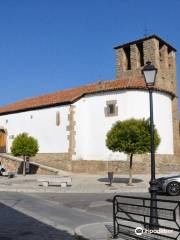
(71,125)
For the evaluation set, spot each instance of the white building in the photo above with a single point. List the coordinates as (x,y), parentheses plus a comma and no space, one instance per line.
(71,125)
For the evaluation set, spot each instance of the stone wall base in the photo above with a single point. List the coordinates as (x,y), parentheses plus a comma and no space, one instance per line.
(141,164)
(11,166)
(56,160)
(14,164)
(51,156)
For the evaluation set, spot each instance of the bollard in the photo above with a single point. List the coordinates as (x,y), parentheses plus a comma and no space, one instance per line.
(110,177)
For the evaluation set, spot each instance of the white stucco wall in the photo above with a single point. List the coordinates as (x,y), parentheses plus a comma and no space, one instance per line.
(42,126)
(92,125)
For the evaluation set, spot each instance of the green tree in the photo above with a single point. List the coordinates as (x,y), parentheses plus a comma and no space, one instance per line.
(24,145)
(131,137)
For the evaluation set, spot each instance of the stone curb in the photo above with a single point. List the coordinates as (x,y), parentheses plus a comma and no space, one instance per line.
(63,190)
(23,190)
(78,234)
(28,190)
(83,236)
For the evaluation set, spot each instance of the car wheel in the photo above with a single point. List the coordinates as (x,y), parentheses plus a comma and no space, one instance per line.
(173,188)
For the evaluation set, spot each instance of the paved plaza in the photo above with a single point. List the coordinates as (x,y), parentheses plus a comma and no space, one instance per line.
(29,211)
(81,183)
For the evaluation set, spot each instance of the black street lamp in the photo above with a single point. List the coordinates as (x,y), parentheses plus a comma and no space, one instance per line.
(149,72)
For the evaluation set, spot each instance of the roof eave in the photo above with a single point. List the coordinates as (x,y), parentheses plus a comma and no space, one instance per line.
(34,108)
(75,99)
(144,39)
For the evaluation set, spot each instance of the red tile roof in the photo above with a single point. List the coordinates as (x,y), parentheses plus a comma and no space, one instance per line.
(70,95)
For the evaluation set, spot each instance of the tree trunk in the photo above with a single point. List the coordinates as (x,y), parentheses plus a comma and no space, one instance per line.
(24,165)
(130,169)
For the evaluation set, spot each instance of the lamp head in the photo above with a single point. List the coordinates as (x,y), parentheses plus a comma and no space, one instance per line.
(149,73)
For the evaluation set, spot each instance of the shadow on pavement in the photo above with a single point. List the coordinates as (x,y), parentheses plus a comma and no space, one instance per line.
(18,226)
(120,180)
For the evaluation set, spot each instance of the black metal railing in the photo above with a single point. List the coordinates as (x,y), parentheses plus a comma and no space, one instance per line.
(131,217)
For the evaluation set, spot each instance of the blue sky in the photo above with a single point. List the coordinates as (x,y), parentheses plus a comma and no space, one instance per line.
(49,45)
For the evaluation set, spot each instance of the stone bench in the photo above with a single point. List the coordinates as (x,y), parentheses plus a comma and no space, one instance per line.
(61,181)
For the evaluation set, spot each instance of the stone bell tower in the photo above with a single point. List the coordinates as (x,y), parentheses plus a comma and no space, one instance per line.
(131,58)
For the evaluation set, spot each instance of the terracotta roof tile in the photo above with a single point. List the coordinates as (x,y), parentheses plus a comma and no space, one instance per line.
(70,95)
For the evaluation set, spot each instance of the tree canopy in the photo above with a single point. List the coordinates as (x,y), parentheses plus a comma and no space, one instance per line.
(131,137)
(24,145)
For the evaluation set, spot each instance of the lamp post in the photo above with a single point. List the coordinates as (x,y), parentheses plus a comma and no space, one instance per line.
(149,72)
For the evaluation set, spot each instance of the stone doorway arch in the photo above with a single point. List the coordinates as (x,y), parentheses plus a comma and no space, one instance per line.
(3,140)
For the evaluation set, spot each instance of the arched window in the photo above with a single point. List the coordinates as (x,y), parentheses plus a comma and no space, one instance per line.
(57,118)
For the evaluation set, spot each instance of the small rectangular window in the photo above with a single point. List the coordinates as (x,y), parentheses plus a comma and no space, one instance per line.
(111,108)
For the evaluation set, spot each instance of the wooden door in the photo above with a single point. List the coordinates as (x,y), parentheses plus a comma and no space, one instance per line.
(2,141)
